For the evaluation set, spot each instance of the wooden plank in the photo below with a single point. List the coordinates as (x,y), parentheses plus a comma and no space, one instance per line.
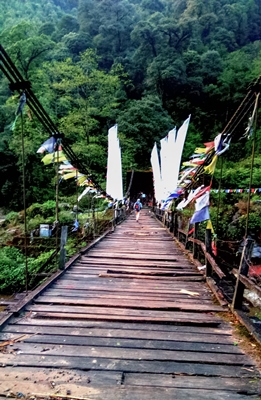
(135,343)
(195,278)
(97,269)
(133,256)
(185,291)
(222,330)
(167,336)
(243,385)
(136,393)
(149,263)
(93,363)
(125,353)
(114,294)
(179,319)
(133,284)
(129,303)
(167,315)
(79,268)
(149,272)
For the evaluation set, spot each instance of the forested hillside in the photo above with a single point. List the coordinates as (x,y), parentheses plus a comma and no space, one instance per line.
(145,64)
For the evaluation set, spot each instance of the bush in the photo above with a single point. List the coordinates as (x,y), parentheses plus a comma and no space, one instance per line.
(49,208)
(12,217)
(66,217)
(12,270)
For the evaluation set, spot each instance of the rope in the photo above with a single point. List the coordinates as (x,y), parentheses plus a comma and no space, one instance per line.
(130,184)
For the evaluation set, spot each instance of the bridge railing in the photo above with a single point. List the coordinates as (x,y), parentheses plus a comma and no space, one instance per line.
(230,275)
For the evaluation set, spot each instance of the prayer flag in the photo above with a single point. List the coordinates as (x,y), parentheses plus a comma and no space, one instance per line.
(210,169)
(20,108)
(48,145)
(200,216)
(55,157)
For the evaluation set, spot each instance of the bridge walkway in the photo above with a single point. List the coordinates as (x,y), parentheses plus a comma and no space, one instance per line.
(131,319)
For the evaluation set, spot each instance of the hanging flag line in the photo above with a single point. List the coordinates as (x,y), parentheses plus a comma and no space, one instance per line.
(252,190)
(55,154)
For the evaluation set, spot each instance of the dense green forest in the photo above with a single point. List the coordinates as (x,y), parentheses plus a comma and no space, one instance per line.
(144,64)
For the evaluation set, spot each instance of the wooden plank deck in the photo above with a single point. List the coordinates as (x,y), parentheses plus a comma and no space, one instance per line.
(131,319)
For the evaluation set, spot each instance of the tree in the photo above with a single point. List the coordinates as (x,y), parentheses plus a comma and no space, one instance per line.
(25,47)
(144,121)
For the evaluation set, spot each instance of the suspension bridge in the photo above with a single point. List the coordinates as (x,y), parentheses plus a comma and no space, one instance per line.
(129,318)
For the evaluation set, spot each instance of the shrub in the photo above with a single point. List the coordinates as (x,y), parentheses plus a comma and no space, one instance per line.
(12,217)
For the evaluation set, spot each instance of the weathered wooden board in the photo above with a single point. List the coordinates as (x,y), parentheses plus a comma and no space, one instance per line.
(130,353)
(177,336)
(193,382)
(126,343)
(223,329)
(138,366)
(130,304)
(114,294)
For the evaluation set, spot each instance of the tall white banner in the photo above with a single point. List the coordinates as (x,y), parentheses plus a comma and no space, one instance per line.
(176,156)
(114,186)
(164,165)
(154,159)
(171,153)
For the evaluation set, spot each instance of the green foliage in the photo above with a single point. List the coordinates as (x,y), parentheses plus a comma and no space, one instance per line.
(66,217)
(145,122)
(145,64)
(12,269)
(12,216)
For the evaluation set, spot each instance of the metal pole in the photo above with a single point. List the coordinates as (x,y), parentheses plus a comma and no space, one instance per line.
(24,201)
(57,202)
(77,203)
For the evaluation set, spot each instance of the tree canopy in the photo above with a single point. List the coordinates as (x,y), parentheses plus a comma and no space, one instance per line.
(145,65)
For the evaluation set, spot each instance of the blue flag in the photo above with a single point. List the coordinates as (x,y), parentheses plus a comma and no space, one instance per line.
(48,145)
(200,216)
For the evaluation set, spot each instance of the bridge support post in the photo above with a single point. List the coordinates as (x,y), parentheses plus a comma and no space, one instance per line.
(64,235)
(208,240)
(242,270)
(175,226)
(195,246)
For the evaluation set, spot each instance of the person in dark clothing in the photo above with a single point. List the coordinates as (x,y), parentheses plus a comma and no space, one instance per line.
(137,207)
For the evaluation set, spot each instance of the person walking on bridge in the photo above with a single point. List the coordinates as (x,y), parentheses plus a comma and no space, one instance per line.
(137,207)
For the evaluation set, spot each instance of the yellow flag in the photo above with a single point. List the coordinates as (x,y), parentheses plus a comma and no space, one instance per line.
(210,226)
(53,157)
(200,150)
(81,179)
(210,169)
(189,164)
(70,175)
